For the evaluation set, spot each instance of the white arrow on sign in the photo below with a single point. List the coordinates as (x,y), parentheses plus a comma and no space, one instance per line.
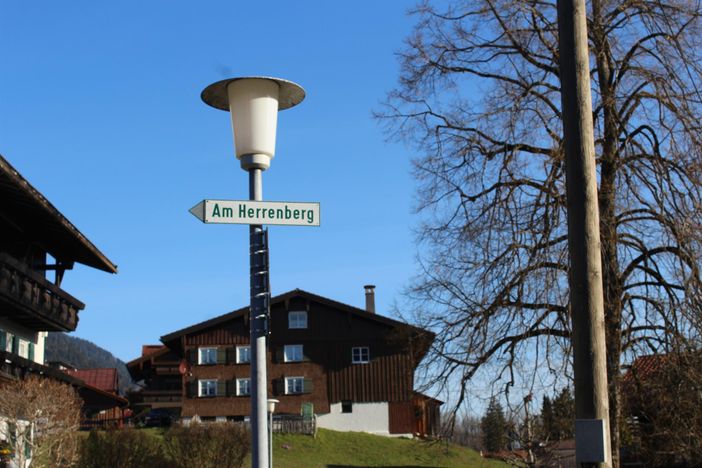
(257,212)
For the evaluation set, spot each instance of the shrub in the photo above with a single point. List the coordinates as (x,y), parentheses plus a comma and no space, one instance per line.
(222,445)
(122,448)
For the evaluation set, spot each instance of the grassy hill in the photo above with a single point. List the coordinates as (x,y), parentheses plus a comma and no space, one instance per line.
(356,449)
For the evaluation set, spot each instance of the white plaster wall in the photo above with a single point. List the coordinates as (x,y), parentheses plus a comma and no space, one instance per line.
(373,418)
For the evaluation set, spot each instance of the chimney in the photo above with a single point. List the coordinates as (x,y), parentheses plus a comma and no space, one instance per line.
(370,298)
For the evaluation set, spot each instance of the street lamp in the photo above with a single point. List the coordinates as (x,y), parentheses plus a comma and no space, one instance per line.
(254,102)
(271,410)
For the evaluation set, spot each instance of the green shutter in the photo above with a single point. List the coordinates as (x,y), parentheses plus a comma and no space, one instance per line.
(280,354)
(15,344)
(221,388)
(231,387)
(3,341)
(192,356)
(221,355)
(279,386)
(307,386)
(30,354)
(231,355)
(192,388)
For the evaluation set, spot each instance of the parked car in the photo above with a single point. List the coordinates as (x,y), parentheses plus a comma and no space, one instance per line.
(157,418)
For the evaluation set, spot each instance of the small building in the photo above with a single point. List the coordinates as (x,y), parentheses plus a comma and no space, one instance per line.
(353,368)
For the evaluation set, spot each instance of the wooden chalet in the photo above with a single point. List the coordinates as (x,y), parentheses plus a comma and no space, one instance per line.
(353,368)
(37,241)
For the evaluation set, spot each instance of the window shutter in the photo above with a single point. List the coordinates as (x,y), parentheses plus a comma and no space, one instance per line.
(15,344)
(279,386)
(192,356)
(221,388)
(231,355)
(3,341)
(280,354)
(192,388)
(231,387)
(30,354)
(307,386)
(305,357)
(221,356)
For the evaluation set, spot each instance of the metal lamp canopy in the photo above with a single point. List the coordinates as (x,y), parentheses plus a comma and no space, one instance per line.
(253,103)
(216,95)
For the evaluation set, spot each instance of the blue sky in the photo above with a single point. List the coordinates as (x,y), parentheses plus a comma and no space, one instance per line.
(100,111)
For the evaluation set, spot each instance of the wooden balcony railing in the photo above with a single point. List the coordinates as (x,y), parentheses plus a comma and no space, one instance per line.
(155,396)
(34,301)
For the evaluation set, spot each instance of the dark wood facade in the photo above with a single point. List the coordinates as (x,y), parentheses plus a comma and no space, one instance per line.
(30,229)
(333,330)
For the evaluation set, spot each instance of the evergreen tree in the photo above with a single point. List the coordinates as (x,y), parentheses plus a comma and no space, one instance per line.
(564,415)
(494,427)
(547,419)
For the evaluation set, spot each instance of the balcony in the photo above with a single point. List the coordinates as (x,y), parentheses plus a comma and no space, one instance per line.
(29,299)
(156,398)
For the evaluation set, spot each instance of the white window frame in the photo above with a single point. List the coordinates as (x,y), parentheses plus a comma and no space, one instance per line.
(207,388)
(293,353)
(297,319)
(357,355)
(239,387)
(241,350)
(207,355)
(293,382)
(23,348)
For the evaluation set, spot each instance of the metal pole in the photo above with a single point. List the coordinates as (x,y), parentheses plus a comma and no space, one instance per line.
(586,297)
(258,328)
(270,440)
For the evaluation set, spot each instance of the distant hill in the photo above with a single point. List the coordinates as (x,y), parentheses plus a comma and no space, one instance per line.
(83,354)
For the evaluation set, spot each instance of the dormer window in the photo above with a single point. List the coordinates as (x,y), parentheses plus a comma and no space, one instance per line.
(297,319)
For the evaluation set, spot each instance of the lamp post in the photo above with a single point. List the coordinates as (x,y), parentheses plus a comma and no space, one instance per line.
(271,410)
(253,103)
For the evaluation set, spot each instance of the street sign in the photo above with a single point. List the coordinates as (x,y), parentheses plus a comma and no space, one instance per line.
(257,212)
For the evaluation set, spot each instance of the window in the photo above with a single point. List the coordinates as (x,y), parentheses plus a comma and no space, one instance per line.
(208,388)
(297,319)
(207,356)
(360,355)
(243,354)
(347,406)
(243,387)
(292,353)
(23,349)
(294,385)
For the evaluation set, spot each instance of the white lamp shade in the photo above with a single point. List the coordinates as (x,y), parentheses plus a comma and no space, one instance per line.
(253,104)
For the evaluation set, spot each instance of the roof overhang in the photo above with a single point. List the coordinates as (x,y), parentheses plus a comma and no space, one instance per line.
(28,210)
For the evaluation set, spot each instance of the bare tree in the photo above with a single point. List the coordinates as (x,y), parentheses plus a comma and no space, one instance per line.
(479,97)
(41,418)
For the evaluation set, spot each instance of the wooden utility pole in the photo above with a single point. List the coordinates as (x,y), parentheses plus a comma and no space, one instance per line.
(586,299)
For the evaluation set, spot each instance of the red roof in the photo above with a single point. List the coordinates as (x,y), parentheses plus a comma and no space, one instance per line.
(645,367)
(104,379)
(150,349)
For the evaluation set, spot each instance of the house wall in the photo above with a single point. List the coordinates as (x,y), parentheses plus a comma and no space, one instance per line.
(365,417)
(327,342)
(37,338)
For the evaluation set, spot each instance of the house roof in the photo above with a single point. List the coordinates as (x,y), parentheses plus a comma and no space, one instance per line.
(172,338)
(147,353)
(644,367)
(25,207)
(104,379)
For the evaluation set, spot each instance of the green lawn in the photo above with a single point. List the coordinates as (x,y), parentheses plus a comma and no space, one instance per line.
(356,449)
